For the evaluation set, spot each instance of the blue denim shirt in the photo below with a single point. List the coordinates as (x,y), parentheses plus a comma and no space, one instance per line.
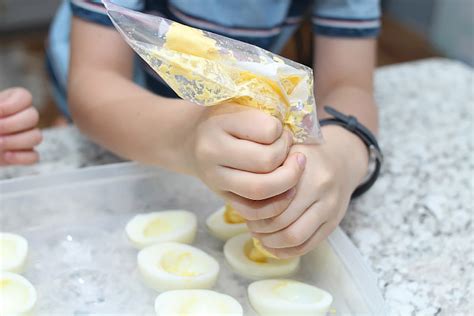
(265,23)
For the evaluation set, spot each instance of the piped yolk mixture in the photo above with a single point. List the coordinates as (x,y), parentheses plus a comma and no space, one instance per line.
(259,251)
(231,216)
(255,252)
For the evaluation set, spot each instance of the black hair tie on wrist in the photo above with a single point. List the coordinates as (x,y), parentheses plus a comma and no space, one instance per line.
(351,123)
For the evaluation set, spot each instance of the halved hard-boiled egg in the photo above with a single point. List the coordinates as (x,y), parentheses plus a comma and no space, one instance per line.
(226,223)
(17,295)
(288,297)
(239,252)
(172,225)
(196,303)
(13,251)
(173,266)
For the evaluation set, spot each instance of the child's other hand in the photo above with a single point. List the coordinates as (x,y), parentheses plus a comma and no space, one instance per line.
(18,132)
(334,169)
(242,152)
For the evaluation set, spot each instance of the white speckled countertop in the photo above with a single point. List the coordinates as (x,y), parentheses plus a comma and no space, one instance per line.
(415,226)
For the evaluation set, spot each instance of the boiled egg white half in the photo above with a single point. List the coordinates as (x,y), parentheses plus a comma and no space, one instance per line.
(237,250)
(221,227)
(13,251)
(174,266)
(171,225)
(196,303)
(17,295)
(287,297)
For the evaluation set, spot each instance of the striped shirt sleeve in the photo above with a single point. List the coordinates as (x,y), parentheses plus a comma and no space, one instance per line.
(346,18)
(94,11)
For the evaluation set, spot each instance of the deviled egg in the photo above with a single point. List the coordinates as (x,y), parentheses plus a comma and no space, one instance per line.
(240,254)
(174,266)
(226,223)
(172,225)
(288,297)
(17,295)
(13,251)
(196,302)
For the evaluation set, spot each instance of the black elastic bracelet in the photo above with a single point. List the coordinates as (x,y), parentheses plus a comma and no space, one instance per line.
(375,154)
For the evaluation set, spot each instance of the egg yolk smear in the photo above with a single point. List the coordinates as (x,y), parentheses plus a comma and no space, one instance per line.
(156,228)
(180,264)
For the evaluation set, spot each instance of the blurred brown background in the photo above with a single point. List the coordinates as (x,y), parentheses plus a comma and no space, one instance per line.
(412,30)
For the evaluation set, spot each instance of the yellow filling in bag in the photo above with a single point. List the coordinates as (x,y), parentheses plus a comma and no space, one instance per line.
(197,69)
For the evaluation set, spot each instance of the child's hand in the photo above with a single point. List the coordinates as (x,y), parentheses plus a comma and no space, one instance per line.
(18,132)
(334,169)
(240,151)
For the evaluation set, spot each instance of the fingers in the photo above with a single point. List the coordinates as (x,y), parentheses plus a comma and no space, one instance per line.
(257,210)
(298,232)
(25,140)
(253,125)
(26,157)
(18,134)
(14,100)
(20,121)
(300,203)
(323,231)
(263,186)
(254,157)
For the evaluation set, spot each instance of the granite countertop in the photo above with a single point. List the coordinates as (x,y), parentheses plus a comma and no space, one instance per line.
(415,226)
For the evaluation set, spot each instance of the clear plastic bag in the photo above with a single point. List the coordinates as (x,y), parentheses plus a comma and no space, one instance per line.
(210,69)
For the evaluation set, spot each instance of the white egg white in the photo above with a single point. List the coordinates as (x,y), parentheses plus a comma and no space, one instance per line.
(222,229)
(174,266)
(13,252)
(287,297)
(171,225)
(17,295)
(235,253)
(196,303)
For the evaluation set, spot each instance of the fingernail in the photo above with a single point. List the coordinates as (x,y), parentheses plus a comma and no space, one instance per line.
(301,160)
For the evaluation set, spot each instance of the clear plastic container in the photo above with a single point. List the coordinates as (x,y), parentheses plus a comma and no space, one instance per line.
(81,262)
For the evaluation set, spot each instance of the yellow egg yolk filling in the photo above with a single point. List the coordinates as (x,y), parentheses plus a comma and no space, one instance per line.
(188,40)
(231,216)
(193,66)
(255,252)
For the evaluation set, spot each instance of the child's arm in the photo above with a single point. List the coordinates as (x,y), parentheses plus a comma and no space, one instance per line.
(234,150)
(344,71)
(18,132)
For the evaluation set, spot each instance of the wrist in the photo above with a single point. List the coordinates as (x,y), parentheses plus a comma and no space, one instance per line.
(176,136)
(353,153)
